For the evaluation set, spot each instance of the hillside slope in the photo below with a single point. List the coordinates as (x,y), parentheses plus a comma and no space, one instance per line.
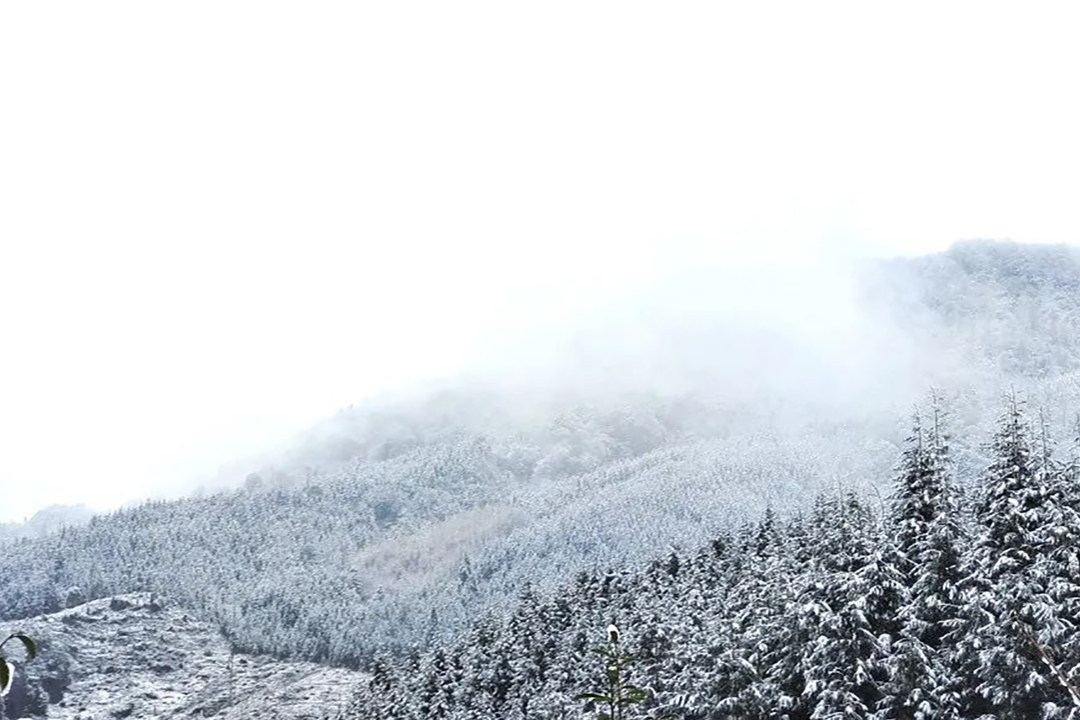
(395,524)
(136,656)
(387,555)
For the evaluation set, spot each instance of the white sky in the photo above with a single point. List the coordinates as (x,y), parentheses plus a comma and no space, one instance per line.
(220,221)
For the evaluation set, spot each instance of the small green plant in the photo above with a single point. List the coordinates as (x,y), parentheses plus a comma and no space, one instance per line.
(5,668)
(616,695)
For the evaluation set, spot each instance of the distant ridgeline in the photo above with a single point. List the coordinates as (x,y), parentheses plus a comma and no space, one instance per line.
(942,604)
(46,521)
(1013,308)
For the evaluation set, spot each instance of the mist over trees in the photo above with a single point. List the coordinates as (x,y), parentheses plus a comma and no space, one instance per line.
(381,536)
(45,521)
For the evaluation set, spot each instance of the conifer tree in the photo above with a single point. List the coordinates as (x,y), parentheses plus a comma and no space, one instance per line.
(849,612)
(930,541)
(765,666)
(1056,575)
(1007,606)
(616,696)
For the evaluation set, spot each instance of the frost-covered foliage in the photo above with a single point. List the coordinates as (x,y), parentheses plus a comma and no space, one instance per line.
(385,554)
(941,606)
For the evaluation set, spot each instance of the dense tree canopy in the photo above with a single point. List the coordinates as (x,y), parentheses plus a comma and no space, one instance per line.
(942,606)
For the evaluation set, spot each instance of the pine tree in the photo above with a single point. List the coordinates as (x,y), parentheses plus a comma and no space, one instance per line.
(752,681)
(1008,606)
(930,542)
(1056,573)
(764,671)
(849,612)
(615,698)
(922,487)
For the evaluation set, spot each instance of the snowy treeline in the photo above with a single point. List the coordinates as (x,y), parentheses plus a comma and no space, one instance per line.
(385,554)
(941,603)
(397,523)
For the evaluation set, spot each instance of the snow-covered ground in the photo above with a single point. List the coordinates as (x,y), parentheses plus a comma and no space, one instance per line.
(135,656)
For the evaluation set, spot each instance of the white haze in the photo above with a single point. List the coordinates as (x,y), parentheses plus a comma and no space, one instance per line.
(221,221)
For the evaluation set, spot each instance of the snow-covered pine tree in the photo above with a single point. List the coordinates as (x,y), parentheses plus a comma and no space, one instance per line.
(1057,575)
(930,541)
(920,486)
(1007,607)
(761,671)
(848,612)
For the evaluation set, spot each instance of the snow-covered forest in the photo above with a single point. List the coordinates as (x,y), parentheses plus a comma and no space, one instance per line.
(944,602)
(744,526)
(539,361)
(389,554)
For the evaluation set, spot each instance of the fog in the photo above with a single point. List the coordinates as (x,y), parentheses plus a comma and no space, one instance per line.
(222,222)
(140,409)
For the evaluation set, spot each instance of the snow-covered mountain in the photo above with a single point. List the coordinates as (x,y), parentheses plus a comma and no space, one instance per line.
(398,522)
